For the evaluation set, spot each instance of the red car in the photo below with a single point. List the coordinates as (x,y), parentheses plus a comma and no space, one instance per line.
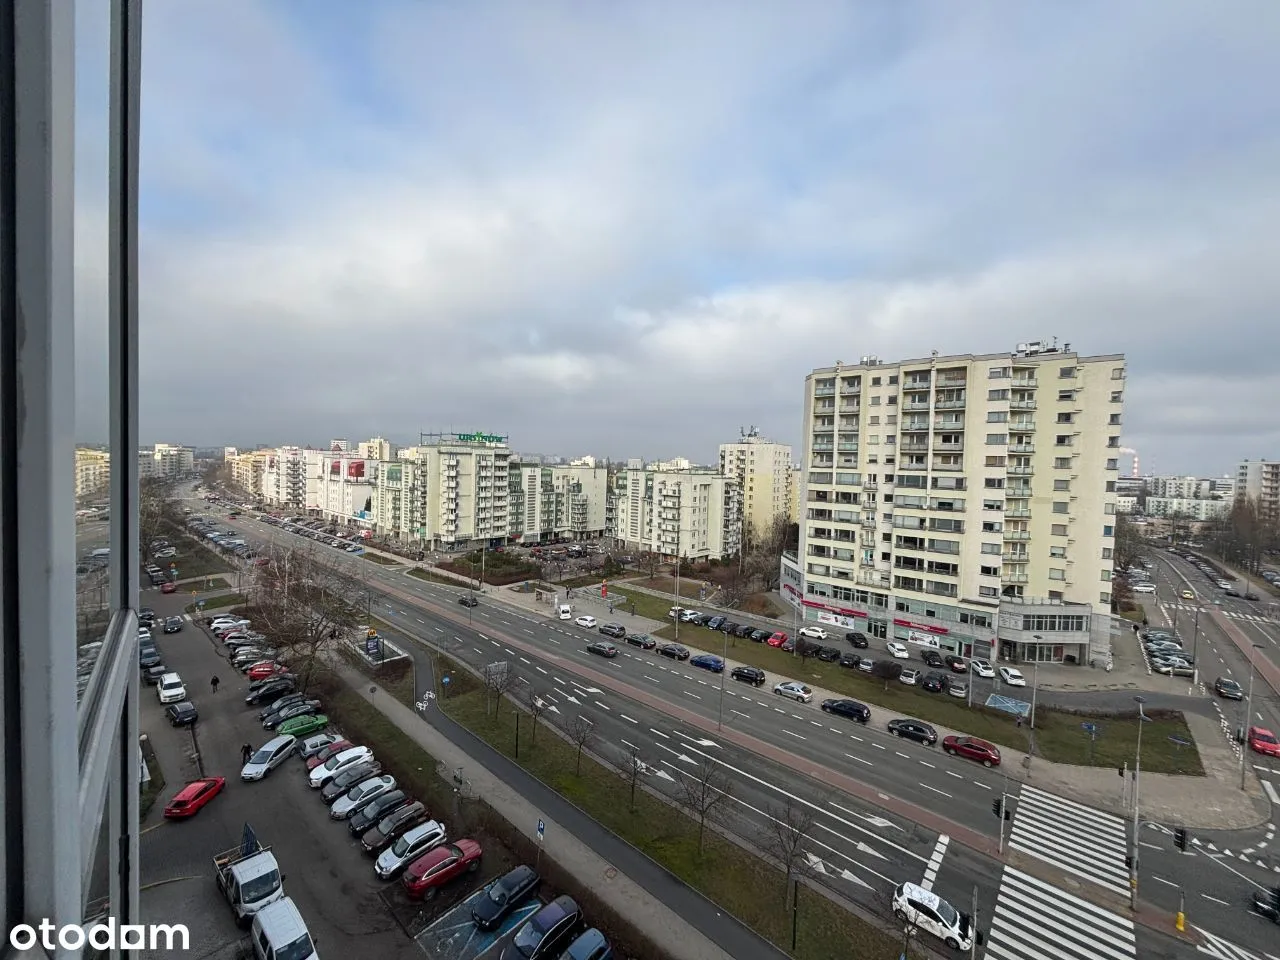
(777,640)
(973,749)
(331,750)
(425,876)
(1263,741)
(170,587)
(269,668)
(193,797)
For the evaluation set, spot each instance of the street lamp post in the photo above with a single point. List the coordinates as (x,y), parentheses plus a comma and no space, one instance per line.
(724,667)
(1248,712)
(1137,773)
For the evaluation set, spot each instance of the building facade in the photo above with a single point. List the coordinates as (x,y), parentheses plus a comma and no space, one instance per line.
(1259,481)
(942,491)
(1179,488)
(694,514)
(284,479)
(341,486)
(172,461)
(248,471)
(93,471)
(764,474)
(1188,508)
(558,502)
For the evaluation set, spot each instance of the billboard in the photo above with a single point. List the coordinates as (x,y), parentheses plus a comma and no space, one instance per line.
(355,470)
(335,467)
(837,620)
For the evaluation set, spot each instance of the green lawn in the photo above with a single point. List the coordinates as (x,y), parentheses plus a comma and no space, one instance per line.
(219,602)
(194,559)
(646,604)
(744,885)
(1059,736)
(432,577)
(380,560)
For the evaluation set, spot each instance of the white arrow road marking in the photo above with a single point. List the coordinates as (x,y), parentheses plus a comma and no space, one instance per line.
(695,741)
(846,875)
(863,848)
(573,700)
(880,822)
(815,863)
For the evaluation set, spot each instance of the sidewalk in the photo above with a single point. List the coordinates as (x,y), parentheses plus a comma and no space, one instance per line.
(1213,801)
(670,932)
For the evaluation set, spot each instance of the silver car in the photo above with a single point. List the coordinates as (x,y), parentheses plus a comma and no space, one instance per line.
(408,848)
(269,756)
(361,794)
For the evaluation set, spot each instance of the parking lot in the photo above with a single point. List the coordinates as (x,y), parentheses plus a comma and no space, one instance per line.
(330,878)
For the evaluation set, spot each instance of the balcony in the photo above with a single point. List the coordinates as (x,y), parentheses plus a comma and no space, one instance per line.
(913,447)
(872,578)
(948,447)
(1022,448)
(1022,426)
(1019,514)
(869,522)
(1022,404)
(847,447)
(1021,471)
(848,391)
(824,391)
(951,380)
(850,408)
(1009,557)
(949,425)
(953,467)
(1017,534)
(949,404)
(914,404)
(902,467)
(1028,383)
(870,485)
(1013,578)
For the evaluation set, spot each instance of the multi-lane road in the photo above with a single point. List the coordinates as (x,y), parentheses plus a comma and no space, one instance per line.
(883,810)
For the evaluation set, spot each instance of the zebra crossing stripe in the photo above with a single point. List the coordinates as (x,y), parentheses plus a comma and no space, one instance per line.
(1215,946)
(1080,840)
(1033,920)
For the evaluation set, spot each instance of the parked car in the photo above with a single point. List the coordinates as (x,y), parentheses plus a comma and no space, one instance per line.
(925,910)
(972,748)
(192,798)
(305,708)
(547,932)
(1012,677)
(335,764)
(909,677)
(858,640)
(269,756)
(981,668)
(424,877)
(503,895)
(851,709)
(320,748)
(615,630)
(589,945)
(916,730)
(368,817)
(933,682)
(707,661)
(1263,741)
(182,714)
(794,691)
(932,658)
(392,824)
(270,691)
(956,664)
(641,640)
(674,651)
(752,675)
(408,847)
(958,689)
(361,795)
(602,648)
(587,622)
(347,779)
(813,633)
(897,650)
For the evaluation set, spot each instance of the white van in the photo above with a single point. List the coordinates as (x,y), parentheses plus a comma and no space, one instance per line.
(279,933)
(564,611)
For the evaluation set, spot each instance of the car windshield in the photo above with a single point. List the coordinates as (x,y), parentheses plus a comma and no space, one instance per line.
(262,756)
(300,949)
(948,913)
(251,891)
(498,893)
(530,936)
(333,761)
(401,846)
(1263,737)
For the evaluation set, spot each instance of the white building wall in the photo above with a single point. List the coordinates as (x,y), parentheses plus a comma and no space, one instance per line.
(764,474)
(694,514)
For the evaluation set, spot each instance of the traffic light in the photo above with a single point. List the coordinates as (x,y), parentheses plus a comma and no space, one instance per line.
(998,808)
(1180,838)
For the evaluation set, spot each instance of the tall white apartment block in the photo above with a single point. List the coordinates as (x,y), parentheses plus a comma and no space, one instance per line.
(763,471)
(694,514)
(462,484)
(284,478)
(93,471)
(965,502)
(555,502)
(376,449)
(1259,481)
(171,460)
(1179,488)
(339,486)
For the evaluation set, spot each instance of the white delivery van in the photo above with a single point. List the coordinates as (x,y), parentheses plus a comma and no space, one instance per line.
(279,933)
(564,611)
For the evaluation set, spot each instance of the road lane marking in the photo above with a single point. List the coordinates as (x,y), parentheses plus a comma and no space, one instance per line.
(688,694)
(539,669)
(1215,899)
(952,773)
(524,660)
(937,791)
(878,746)
(1163,880)
(659,733)
(816,723)
(792,733)
(654,679)
(558,680)
(600,705)
(626,718)
(901,754)
(928,764)
(740,713)
(859,759)
(935,861)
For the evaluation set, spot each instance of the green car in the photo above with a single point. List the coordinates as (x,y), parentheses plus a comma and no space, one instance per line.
(302,726)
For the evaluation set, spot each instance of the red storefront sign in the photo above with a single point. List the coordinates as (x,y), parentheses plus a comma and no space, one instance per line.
(355,470)
(912,625)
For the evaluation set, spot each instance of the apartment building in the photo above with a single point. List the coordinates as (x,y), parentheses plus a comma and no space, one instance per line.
(1259,481)
(693,513)
(965,502)
(340,486)
(172,461)
(1187,508)
(376,449)
(1179,488)
(93,471)
(554,502)
(453,492)
(249,469)
(284,478)
(763,472)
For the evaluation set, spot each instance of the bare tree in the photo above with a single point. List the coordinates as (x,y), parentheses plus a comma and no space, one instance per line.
(652,561)
(153,505)
(886,670)
(705,793)
(581,732)
(632,770)
(499,680)
(786,834)
(536,706)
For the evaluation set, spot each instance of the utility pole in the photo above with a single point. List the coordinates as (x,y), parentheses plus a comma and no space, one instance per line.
(1137,773)
(973,948)
(1248,712)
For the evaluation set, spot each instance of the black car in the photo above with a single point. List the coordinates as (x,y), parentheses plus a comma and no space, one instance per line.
(149,657)
(760,636)
(377,808)
(615,630)
(933,682)
(181,714)
(957,664)
(744,631)
(850,660)
(467,600)
(752,675)
(729,627)
(151,675)
(602,648)
(675,651)
(146,615)
(1267,903)
(281,703)
(270,691)
(503,895)
(828,654)
(1228,689)
(932,658)
(173,625)
(305,709)
(347,779)
(848,708)
(546,934)
(1252,596)
(859,640)
(916,730)
(386,830)
(641,640)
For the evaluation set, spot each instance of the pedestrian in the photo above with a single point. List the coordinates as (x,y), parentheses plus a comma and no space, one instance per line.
(246,752)
(1019,721)
(214,683)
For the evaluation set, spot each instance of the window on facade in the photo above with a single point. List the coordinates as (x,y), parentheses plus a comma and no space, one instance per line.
(995,461)
(1066,372)
(1061,506)
(991,549)
(1117,373)
(1054,623)
(1058,553)
(893,380)
(1115,420)
(989,592)
(1066,418)
(1058,530)
(1106,575)
(997,395)
(893,401)
(998,373)
(1111,486)
(1061,485)
(1057,573)
(1113,464)
(1066,395)
(875,381)
(1108,531)
(1104,597)
(1062,463)
(1106,553)
(875,401)
(997,416)
(994,483)
(1117,396)
(997,439)
(989,571)
(1063,439)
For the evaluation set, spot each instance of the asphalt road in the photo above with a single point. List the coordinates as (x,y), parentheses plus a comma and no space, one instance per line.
(797,728)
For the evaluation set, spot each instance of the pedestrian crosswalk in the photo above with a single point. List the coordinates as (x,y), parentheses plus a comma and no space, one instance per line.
(1033,920)
(1214,946)
(1232,614)
(1080,840)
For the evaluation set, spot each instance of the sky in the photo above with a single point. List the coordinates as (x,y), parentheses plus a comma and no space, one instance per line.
(630,229)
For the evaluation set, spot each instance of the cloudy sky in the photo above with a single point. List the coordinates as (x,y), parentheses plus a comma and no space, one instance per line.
(631,228)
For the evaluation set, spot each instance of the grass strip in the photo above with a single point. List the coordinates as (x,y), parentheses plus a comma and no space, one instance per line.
(744,885)
(219,602)
(432,577)
(379,559)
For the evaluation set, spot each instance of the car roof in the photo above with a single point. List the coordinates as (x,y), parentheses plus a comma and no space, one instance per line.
(422,830)
(279,741)
(920,894)
(192,788)
(586,944)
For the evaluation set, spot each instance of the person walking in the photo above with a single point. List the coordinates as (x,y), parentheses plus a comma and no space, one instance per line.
(246,752)
(213,684)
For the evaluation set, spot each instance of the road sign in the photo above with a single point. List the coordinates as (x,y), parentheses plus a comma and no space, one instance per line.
(1089,727)
(199,604)
(542,829)
(445,679)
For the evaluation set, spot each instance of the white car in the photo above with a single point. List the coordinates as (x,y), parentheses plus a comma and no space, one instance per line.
(689,616)
(1012,677)
(917,907)
(1145,588)
(899,650)
(813,633)
(360,795)
(588,622)
(314,744)
(269,756)
(319,776)
(794,691)
(909,677)
(409,847)
(171,689)
(981,668)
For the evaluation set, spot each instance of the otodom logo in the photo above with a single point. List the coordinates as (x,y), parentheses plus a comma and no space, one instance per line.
(104,935)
